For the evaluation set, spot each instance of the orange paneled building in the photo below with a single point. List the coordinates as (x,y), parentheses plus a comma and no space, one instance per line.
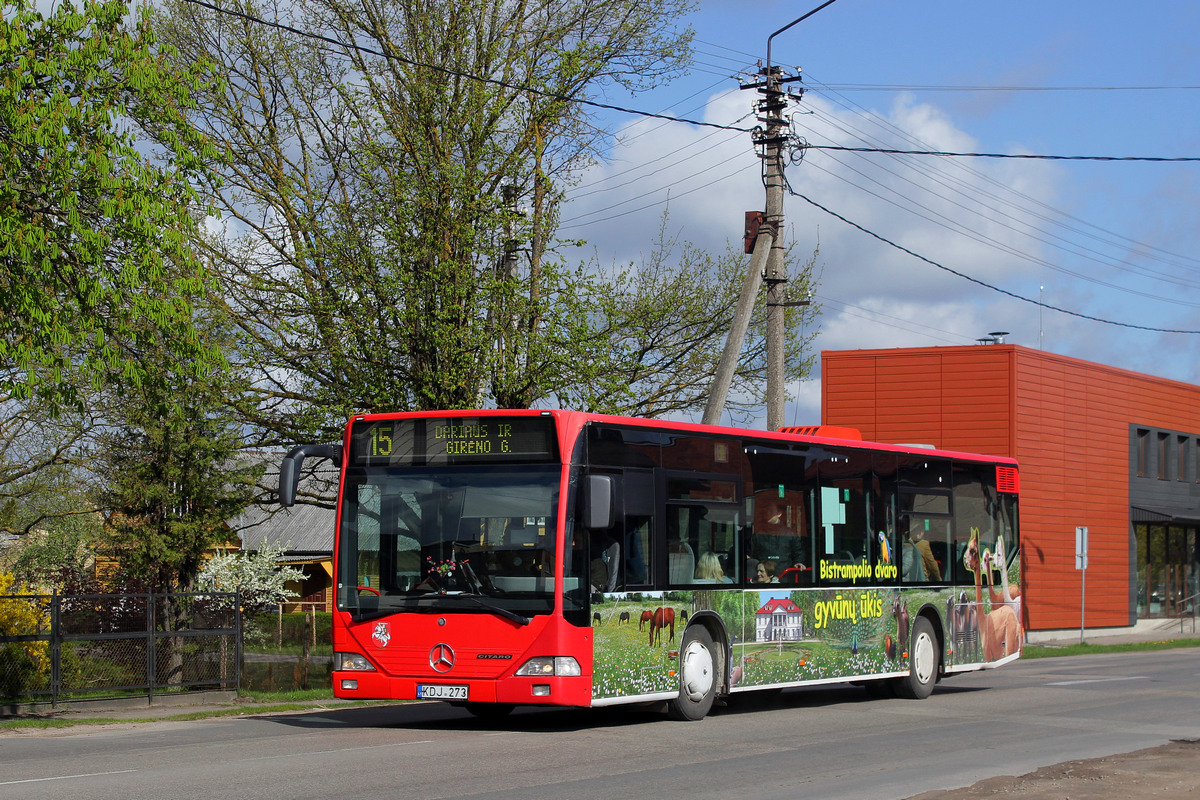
(1112,450)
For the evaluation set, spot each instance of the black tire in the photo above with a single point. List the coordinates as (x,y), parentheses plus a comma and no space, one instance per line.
(489,711)
(924,662)
(699,675)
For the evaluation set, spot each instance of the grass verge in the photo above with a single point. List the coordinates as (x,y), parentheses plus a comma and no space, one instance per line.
(1089,648)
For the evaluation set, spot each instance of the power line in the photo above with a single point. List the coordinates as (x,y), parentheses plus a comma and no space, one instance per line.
(998,215)
(977,281)
(890,151)
(625,110)
(575,222)
(1052,215)
(888,87)
(453,72)
(596,188)
(899,323)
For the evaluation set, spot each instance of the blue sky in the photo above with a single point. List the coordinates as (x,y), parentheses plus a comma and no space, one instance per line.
(1117,241)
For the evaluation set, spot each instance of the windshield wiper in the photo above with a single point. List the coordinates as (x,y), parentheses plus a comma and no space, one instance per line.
(433,608)
(512,616)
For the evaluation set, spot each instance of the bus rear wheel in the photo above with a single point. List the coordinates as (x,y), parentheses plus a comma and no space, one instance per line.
(699,674)
(923,662)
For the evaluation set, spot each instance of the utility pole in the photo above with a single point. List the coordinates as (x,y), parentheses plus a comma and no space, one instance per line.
(766,260)
(771,109)
(502,321)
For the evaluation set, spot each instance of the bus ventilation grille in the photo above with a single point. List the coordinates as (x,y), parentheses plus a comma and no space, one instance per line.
(1007,480)
(824,431)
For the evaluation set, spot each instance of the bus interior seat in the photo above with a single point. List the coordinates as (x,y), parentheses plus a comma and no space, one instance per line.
(681,563)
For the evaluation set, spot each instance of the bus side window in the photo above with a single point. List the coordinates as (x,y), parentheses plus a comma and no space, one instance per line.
(702,544)
(637,548)
(779,537)
(605,562)
(924,555)
(845,537)
(639,505)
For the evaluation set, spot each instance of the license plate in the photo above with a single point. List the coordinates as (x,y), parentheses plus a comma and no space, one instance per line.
(434,691)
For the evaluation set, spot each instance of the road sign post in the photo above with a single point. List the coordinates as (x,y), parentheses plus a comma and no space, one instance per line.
(1081,562)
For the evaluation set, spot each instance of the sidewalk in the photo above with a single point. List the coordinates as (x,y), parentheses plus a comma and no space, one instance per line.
(227,702)
(138,709)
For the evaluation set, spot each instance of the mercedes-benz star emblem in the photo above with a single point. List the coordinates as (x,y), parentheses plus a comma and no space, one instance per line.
(441,658)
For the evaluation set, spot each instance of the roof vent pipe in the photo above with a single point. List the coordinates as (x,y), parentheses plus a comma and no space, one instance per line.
(995,337)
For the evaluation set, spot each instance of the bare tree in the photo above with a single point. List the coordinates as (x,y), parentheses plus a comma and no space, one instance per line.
(365,223)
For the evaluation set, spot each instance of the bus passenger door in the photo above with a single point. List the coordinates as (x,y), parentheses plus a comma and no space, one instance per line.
(619,556)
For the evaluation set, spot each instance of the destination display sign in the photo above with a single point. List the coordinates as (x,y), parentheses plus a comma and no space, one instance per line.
(453,440)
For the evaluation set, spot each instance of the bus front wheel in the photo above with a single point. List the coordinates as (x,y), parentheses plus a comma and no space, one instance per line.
(923,662)
(698,675)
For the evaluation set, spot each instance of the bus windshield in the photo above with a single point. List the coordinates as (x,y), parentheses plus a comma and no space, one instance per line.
(473,539)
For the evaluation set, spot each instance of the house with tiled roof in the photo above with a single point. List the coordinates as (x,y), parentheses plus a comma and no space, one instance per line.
(778,620)
(304,532)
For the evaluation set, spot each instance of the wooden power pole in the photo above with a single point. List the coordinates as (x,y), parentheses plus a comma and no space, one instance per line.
(766,259)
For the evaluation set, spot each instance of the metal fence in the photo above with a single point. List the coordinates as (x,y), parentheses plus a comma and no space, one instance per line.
(57,647)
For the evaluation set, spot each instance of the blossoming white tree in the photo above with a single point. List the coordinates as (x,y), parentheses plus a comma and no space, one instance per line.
(255,574)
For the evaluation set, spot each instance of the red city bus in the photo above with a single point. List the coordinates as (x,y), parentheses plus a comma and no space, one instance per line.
(496,558)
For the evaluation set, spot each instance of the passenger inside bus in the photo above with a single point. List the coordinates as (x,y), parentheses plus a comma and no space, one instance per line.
(708,570)
(773,539)
(605,558)
(916,535)
(765,571)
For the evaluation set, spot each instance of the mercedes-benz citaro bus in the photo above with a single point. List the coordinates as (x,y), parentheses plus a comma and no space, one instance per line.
(496,558)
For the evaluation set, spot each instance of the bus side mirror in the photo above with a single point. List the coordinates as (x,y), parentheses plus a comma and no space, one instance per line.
(289,468)
(598,502)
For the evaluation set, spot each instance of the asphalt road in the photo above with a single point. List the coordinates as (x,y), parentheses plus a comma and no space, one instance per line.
(828,743)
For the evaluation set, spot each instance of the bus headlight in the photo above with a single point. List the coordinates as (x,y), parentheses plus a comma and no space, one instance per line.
(352,662)
(551,665)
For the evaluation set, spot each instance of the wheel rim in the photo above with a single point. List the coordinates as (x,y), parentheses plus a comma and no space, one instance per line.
(923,659)
(697,666)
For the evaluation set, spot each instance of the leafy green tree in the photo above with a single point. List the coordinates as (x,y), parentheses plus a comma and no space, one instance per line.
(57,527)
(89,219)
(37,454)
(171,473)
(47,513)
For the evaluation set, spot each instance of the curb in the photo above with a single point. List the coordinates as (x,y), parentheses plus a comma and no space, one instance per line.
(182,700)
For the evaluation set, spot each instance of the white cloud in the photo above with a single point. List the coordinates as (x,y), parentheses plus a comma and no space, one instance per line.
(998,221)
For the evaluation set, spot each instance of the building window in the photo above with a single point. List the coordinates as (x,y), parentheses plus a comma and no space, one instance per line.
(1143,455)
(1181,448)
(1162,455)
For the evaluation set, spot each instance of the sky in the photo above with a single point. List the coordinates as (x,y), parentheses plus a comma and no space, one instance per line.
(1116,243)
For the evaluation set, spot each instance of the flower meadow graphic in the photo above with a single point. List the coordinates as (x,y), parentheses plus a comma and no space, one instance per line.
(776,637)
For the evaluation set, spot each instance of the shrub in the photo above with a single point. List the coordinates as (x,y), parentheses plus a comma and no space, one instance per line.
(24,666)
